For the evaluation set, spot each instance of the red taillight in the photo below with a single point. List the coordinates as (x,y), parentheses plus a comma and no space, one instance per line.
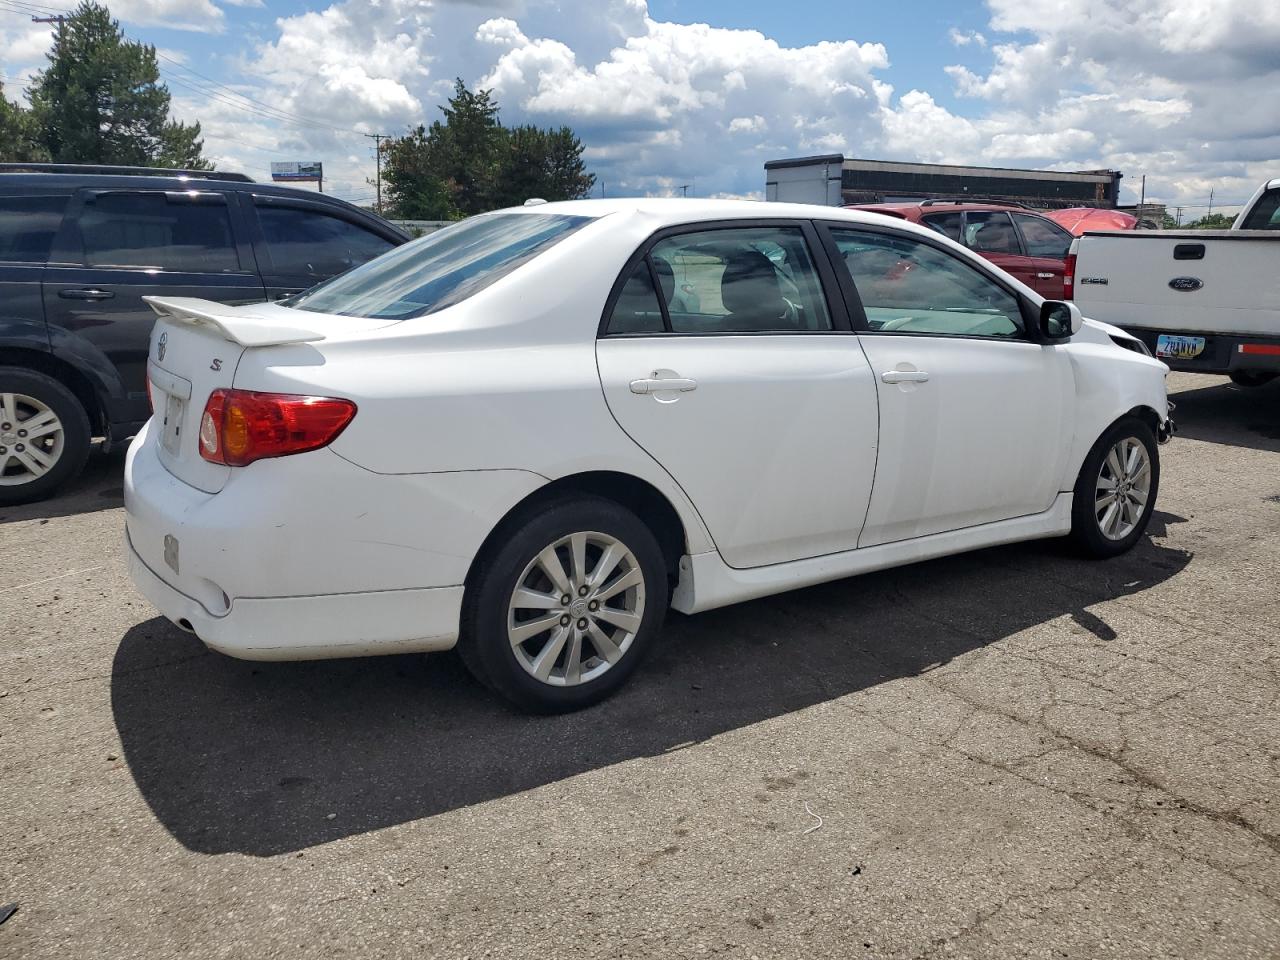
(241,426)
(1069,278)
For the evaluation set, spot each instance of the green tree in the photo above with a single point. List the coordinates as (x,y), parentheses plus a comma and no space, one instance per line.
(101,100)
(1213,221)
(470,163)
(19,134)
(414,186)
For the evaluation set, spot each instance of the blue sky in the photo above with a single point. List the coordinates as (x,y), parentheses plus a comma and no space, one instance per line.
(1145,86)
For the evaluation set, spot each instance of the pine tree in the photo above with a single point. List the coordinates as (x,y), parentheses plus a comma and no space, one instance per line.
(101,100)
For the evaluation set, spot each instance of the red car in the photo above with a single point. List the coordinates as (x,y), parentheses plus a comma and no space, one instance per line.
(1020,241)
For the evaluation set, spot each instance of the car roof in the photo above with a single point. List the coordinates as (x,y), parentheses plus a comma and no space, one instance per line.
(673,211)
(945,207)
(27,179)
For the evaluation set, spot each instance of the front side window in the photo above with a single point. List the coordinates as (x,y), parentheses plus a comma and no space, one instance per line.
(1042,237)
(907,286)
(314,244)
(990,232)
(187,232)
(27,226)
(1265,214)
(440,269)
(740,280)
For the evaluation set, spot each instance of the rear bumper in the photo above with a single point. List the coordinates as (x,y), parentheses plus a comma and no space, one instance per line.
(311,628)
(1223,352)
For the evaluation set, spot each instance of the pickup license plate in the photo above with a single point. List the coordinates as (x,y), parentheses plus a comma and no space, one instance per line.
(1179,348)
(174,408)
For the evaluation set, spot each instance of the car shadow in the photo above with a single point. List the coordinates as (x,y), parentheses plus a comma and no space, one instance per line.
(1226,413)
(100,486)
(269,758)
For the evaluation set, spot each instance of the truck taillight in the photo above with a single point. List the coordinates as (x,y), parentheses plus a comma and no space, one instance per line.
(241,426)
(1069,278)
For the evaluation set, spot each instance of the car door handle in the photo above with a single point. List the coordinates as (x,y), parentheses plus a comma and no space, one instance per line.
(904,376)
(652,385)
(90,294)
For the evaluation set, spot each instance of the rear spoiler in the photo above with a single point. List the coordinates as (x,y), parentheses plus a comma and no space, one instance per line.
(237,324)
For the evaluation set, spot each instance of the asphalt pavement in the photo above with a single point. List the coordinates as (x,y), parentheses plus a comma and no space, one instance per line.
(1010,753)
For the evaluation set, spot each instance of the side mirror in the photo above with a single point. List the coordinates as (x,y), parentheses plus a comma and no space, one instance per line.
(1059,320)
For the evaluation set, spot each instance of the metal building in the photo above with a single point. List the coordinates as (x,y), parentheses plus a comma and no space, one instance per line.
(833,180)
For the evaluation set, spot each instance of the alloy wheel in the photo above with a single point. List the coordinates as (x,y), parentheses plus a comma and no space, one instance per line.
(31,439)
(576,608)
(1122,488)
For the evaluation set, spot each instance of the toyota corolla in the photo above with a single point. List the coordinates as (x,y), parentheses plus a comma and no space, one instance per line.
(529,434)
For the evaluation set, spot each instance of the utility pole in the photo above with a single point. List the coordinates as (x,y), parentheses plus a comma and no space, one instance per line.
(1142,197)
(1211,201)
(684,189)
(60,19)
(377,139)
(1177,220)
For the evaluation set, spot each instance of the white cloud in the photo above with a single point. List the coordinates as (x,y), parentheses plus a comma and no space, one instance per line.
(962,38)
(175,14)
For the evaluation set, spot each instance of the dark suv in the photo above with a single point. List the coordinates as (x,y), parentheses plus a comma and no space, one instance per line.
(80,247)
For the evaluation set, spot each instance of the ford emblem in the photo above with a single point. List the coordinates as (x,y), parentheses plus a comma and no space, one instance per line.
(163,342)
(1186,284)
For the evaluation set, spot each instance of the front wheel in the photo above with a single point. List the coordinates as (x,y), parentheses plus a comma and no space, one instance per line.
(1116,490)
(561,611)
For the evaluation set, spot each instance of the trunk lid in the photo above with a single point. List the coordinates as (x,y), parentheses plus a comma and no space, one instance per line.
(195,348)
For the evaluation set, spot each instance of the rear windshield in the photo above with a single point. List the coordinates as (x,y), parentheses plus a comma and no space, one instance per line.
(440,269)
(1265,214)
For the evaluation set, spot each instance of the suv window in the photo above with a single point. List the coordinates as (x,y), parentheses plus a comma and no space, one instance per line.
(307,241)
(440,269)
(1042,237)
(908,286)
(740,280)
(27,226)
(947,224)
(990,232)
(180,231)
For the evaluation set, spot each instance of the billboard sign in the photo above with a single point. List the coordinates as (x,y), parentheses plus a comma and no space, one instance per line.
(298,170)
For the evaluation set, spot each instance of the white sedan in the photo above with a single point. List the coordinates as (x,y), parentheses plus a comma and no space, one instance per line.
(530,433)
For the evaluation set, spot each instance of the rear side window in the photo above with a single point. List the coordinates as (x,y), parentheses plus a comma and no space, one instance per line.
(175,231)
(740,280)
(947,224)
(440,269)
(315,244)
(1265,214)
(991,233)
(1043,239)
(27,226)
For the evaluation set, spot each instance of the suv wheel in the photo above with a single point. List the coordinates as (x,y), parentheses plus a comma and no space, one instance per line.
(44,435)
(562,611)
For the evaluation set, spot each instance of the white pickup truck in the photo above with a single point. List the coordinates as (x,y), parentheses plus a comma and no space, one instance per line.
(1206,301)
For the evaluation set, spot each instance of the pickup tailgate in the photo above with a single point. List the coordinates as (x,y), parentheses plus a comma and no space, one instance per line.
(1193,281)
(195,348)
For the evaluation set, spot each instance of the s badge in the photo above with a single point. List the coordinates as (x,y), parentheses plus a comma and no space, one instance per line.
(216,365)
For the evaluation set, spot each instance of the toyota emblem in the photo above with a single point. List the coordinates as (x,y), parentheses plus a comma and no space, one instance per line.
(161,344)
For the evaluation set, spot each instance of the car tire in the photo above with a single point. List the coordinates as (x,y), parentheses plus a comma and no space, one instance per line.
(33,471)
(1116,490)
(1251,378)
(519,632)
